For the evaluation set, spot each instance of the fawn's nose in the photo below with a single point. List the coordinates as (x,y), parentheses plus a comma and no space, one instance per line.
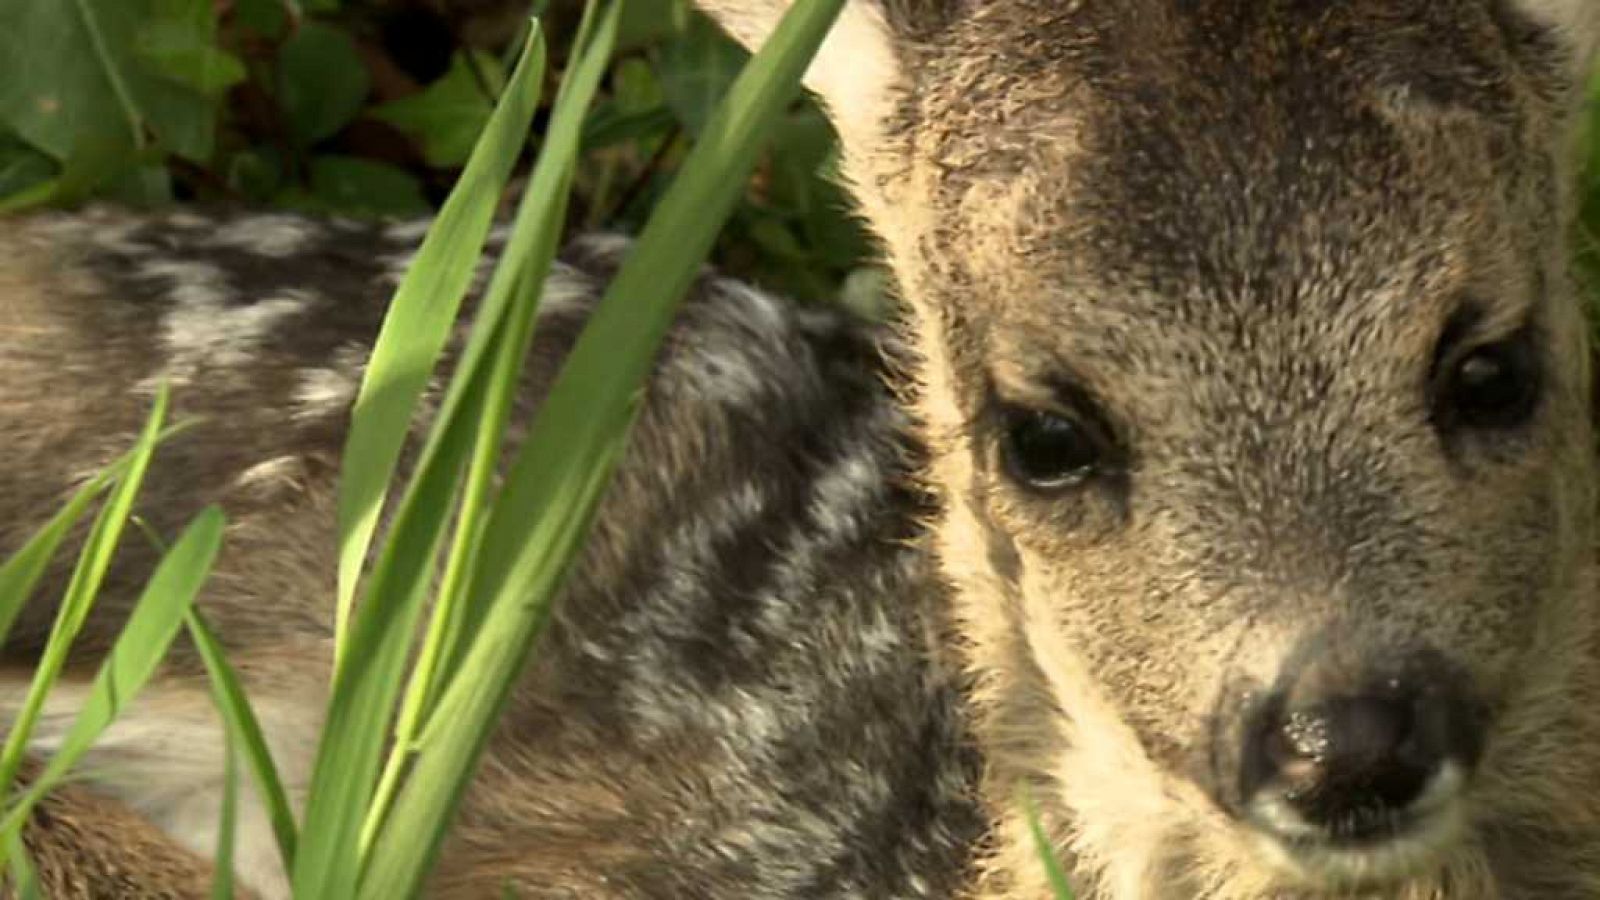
(1355,767)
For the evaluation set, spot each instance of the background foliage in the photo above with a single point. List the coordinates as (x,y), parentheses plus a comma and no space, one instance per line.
(369,108)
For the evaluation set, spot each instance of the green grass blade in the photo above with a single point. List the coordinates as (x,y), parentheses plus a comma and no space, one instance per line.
(371,663)
(227,825)
(418,324)
(84,585)
(139,649)
(492,361)
(24,880)
(406,846)
(21,573)
(492,365)
(244,731)
(540,519)
(1060,888)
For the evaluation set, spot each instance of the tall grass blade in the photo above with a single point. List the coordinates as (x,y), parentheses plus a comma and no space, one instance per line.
(539,520)
(245,734)
(21,573)
(84,585)
(139,648)
(418,324)
(227,824)
(24,880)
(491,369)
(1060,888)
(404,850)
(371,666)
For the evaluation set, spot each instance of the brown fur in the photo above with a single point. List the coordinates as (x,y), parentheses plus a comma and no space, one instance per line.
(1240,228)
(86,845)
(736,668)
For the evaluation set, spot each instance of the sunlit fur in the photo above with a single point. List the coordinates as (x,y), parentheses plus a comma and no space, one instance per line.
(814,647)
(1242,226)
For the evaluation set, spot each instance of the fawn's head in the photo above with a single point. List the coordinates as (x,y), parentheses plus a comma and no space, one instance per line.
(1258,387)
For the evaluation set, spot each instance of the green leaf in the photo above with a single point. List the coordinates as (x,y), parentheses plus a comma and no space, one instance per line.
(142,187)
(188,57)
(257,173)
(646,22)
(447,116)
(541,516)
(636,112)
(22,169)
(138,650)
(70,74)
(361,187)
(696,70)
(244,731)
(322,82)
(268,18)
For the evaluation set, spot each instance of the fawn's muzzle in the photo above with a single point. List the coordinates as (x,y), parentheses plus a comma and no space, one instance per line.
(1339,761)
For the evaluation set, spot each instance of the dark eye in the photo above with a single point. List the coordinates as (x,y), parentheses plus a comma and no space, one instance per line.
(1493,387)
(1049,451)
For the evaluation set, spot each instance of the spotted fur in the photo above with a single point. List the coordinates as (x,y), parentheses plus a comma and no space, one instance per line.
(1237,230)
(742,693)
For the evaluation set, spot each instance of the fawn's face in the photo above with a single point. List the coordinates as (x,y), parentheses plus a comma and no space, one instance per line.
(1261,387)
(1258,388)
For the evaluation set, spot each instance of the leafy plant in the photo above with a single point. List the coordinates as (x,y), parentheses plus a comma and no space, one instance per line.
(369,108)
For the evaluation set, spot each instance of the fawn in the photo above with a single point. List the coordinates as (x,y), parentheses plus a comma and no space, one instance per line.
(1231,493)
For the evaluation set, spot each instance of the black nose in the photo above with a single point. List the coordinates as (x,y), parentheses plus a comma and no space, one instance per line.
(1353,766)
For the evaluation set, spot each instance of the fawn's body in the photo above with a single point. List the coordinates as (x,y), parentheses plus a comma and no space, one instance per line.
(1253,395)
(754,617)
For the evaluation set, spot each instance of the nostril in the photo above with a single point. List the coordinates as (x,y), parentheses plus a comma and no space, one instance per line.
(1357,767)
(1353,761)
(1336,754)
(1361,731)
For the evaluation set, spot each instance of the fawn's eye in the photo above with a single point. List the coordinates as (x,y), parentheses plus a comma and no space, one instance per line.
(1048,451)
(1494,387)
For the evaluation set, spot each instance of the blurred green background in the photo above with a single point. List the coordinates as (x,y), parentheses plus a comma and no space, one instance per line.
(369,107)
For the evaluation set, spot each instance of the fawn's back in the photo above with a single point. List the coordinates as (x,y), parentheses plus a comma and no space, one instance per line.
(742,665)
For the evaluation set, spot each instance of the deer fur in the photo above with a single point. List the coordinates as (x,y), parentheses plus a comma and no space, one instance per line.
(821,641)
(745,662)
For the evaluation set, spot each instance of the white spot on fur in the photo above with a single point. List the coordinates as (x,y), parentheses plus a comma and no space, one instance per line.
(566,291)
(840,495)
(98,228)
(277,472)
(202,328)
(606,247)
(183,218)
(410,231)
(330,390)
(277,236)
